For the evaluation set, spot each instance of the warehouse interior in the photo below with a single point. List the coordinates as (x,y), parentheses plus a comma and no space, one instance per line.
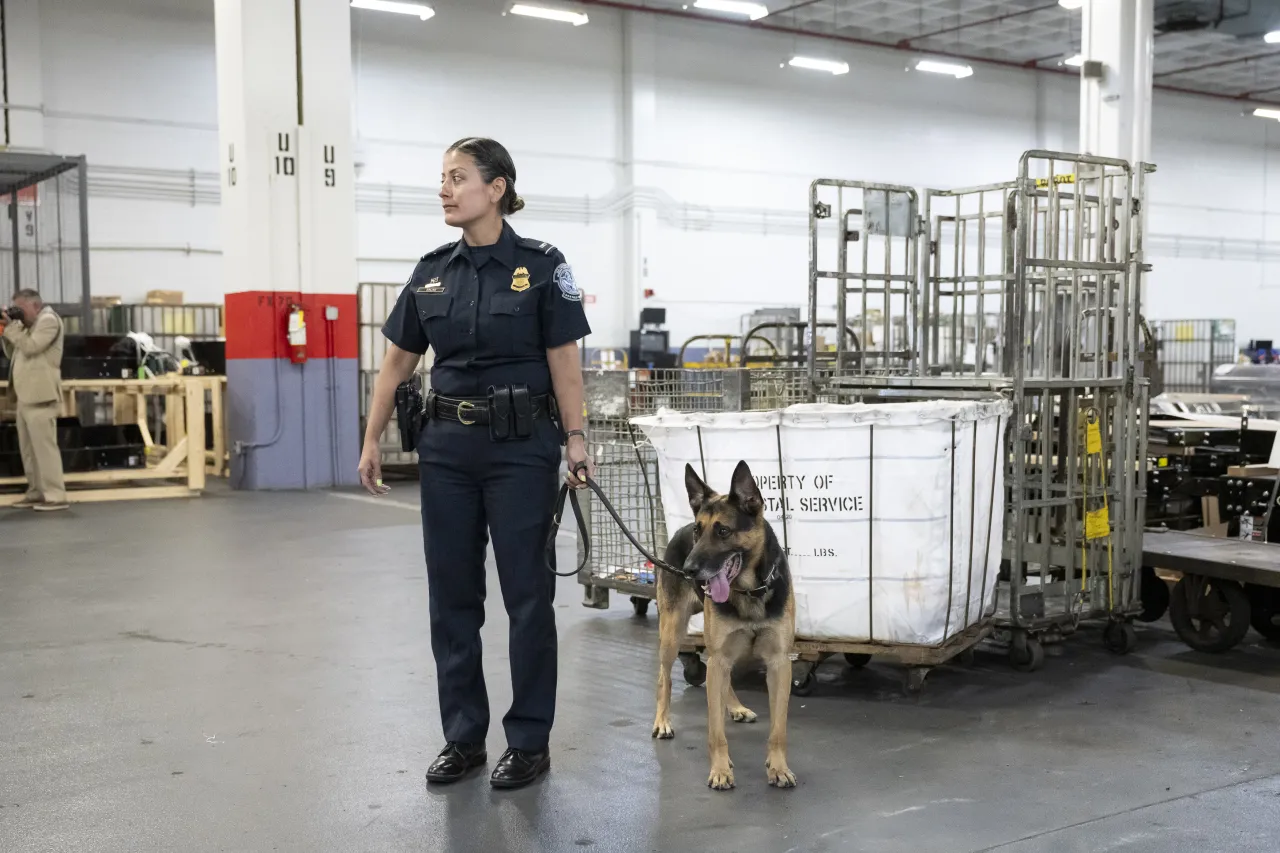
(985,291)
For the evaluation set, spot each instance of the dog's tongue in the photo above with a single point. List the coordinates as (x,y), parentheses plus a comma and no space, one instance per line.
(718,587)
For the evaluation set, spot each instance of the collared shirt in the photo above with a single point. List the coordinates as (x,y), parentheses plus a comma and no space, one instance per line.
(490,313)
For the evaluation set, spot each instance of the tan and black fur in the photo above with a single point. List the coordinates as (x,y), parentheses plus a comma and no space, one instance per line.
(762,624)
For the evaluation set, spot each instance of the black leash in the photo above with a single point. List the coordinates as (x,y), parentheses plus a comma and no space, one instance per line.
(566,491)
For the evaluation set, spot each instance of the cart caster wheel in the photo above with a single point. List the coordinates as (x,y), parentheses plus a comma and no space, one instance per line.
(1155,596)
(695,671)
(1264,611)
(1026,654)
(641,605)
(913,680)
(968,657)
(1209,615)
(1120,638)
(856,661)
(804,677)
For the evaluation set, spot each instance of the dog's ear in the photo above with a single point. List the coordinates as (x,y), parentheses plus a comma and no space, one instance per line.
(699,493)
(744,491)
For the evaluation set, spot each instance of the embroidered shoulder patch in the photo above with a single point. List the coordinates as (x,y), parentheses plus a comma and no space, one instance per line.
(564,280)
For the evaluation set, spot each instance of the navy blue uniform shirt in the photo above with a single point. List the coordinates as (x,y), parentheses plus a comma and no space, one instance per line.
(490,313)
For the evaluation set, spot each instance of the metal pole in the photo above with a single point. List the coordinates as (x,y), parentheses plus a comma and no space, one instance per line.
(82,172)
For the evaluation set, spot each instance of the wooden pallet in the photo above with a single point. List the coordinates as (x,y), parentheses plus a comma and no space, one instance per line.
(169,472)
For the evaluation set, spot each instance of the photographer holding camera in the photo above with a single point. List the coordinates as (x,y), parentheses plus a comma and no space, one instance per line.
(32,340)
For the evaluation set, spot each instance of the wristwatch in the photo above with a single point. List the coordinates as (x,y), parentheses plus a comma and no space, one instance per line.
(571,433)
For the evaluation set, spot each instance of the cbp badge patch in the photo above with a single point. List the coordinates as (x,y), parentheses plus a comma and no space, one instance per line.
(520,280)
(568,287)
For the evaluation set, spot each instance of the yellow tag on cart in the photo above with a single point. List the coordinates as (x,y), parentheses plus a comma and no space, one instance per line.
(1092,439)
(1097,524)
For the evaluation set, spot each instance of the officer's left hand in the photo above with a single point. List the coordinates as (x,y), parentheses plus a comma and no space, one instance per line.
(575,454)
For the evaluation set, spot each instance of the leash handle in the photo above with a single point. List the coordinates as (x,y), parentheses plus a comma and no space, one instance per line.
(556,516)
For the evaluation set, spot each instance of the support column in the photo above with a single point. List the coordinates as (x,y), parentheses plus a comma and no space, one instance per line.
(23,77)
(639,117)
(288,234)
(1115,96)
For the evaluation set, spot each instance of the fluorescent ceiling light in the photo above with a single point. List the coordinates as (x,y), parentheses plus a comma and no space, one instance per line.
(1272,37)
(754,11)
(417,9)
(1263,113)
(957,71)
(1074,61)
(828,65)
(1071,4)
(564,16)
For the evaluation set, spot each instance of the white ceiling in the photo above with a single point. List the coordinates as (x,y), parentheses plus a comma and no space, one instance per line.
(1227,59)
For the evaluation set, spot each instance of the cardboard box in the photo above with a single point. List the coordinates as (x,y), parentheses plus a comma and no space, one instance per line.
(164,297)
(104,301)
(1260,471)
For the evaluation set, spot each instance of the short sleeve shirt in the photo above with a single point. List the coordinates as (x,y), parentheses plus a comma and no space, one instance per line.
(490,314)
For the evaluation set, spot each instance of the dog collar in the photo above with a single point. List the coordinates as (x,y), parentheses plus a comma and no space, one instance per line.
(761,591)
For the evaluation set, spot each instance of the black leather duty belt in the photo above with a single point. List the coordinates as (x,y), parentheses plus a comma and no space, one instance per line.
(508,410)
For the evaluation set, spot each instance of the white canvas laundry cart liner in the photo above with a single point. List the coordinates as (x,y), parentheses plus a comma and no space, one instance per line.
(891,514)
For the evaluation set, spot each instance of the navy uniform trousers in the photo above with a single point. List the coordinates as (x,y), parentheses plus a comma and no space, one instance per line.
(473,487)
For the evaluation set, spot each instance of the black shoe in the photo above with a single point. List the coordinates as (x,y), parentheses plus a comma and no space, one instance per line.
(517,768)
(455,760)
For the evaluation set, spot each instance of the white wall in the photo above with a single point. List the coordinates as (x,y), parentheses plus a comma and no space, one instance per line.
(736,141)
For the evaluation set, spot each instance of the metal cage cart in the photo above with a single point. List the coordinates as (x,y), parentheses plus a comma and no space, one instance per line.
(1189,352)
(1029,289)
(1056,256)
(46,244)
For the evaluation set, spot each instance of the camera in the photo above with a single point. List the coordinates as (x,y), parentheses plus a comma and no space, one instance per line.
(13,312)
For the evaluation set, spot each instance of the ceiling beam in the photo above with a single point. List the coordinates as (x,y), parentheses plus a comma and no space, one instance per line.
(762,24)
(795,6)
(906,42)
(1218,64)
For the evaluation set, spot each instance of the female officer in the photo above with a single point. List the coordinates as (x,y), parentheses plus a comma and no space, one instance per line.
(504,316)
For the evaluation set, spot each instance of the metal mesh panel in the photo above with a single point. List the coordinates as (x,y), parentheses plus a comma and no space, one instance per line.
(164,323)
(1188,352)
(627,466)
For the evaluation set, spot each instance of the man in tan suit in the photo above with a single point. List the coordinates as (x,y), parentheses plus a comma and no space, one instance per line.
(33,343)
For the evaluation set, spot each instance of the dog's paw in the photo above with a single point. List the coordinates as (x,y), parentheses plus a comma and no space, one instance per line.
(780,776)
(662,730)
(720,780)
(743,715)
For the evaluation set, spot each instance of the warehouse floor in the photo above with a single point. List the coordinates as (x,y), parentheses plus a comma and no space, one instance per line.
(252,673)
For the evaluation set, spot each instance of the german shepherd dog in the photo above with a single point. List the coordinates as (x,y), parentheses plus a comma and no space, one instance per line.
(731,552)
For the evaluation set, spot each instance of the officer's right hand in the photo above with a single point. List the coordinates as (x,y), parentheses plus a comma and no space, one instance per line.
(371,471)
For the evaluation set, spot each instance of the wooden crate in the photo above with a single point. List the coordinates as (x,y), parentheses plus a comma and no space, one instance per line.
(169,472)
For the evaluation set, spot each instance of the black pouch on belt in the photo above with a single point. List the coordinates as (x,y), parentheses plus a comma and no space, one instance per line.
(499,412)
(522,411)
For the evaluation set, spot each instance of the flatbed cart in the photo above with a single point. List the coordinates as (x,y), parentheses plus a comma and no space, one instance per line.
(808,655)
(1223,587)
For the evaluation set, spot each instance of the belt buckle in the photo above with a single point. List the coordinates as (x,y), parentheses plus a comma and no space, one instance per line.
(465,406)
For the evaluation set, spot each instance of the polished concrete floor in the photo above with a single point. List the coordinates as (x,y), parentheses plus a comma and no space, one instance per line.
(252,673)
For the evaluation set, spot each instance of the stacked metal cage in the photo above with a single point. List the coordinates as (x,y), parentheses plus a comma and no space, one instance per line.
(45,246)
(1189,352)
(1028,289)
